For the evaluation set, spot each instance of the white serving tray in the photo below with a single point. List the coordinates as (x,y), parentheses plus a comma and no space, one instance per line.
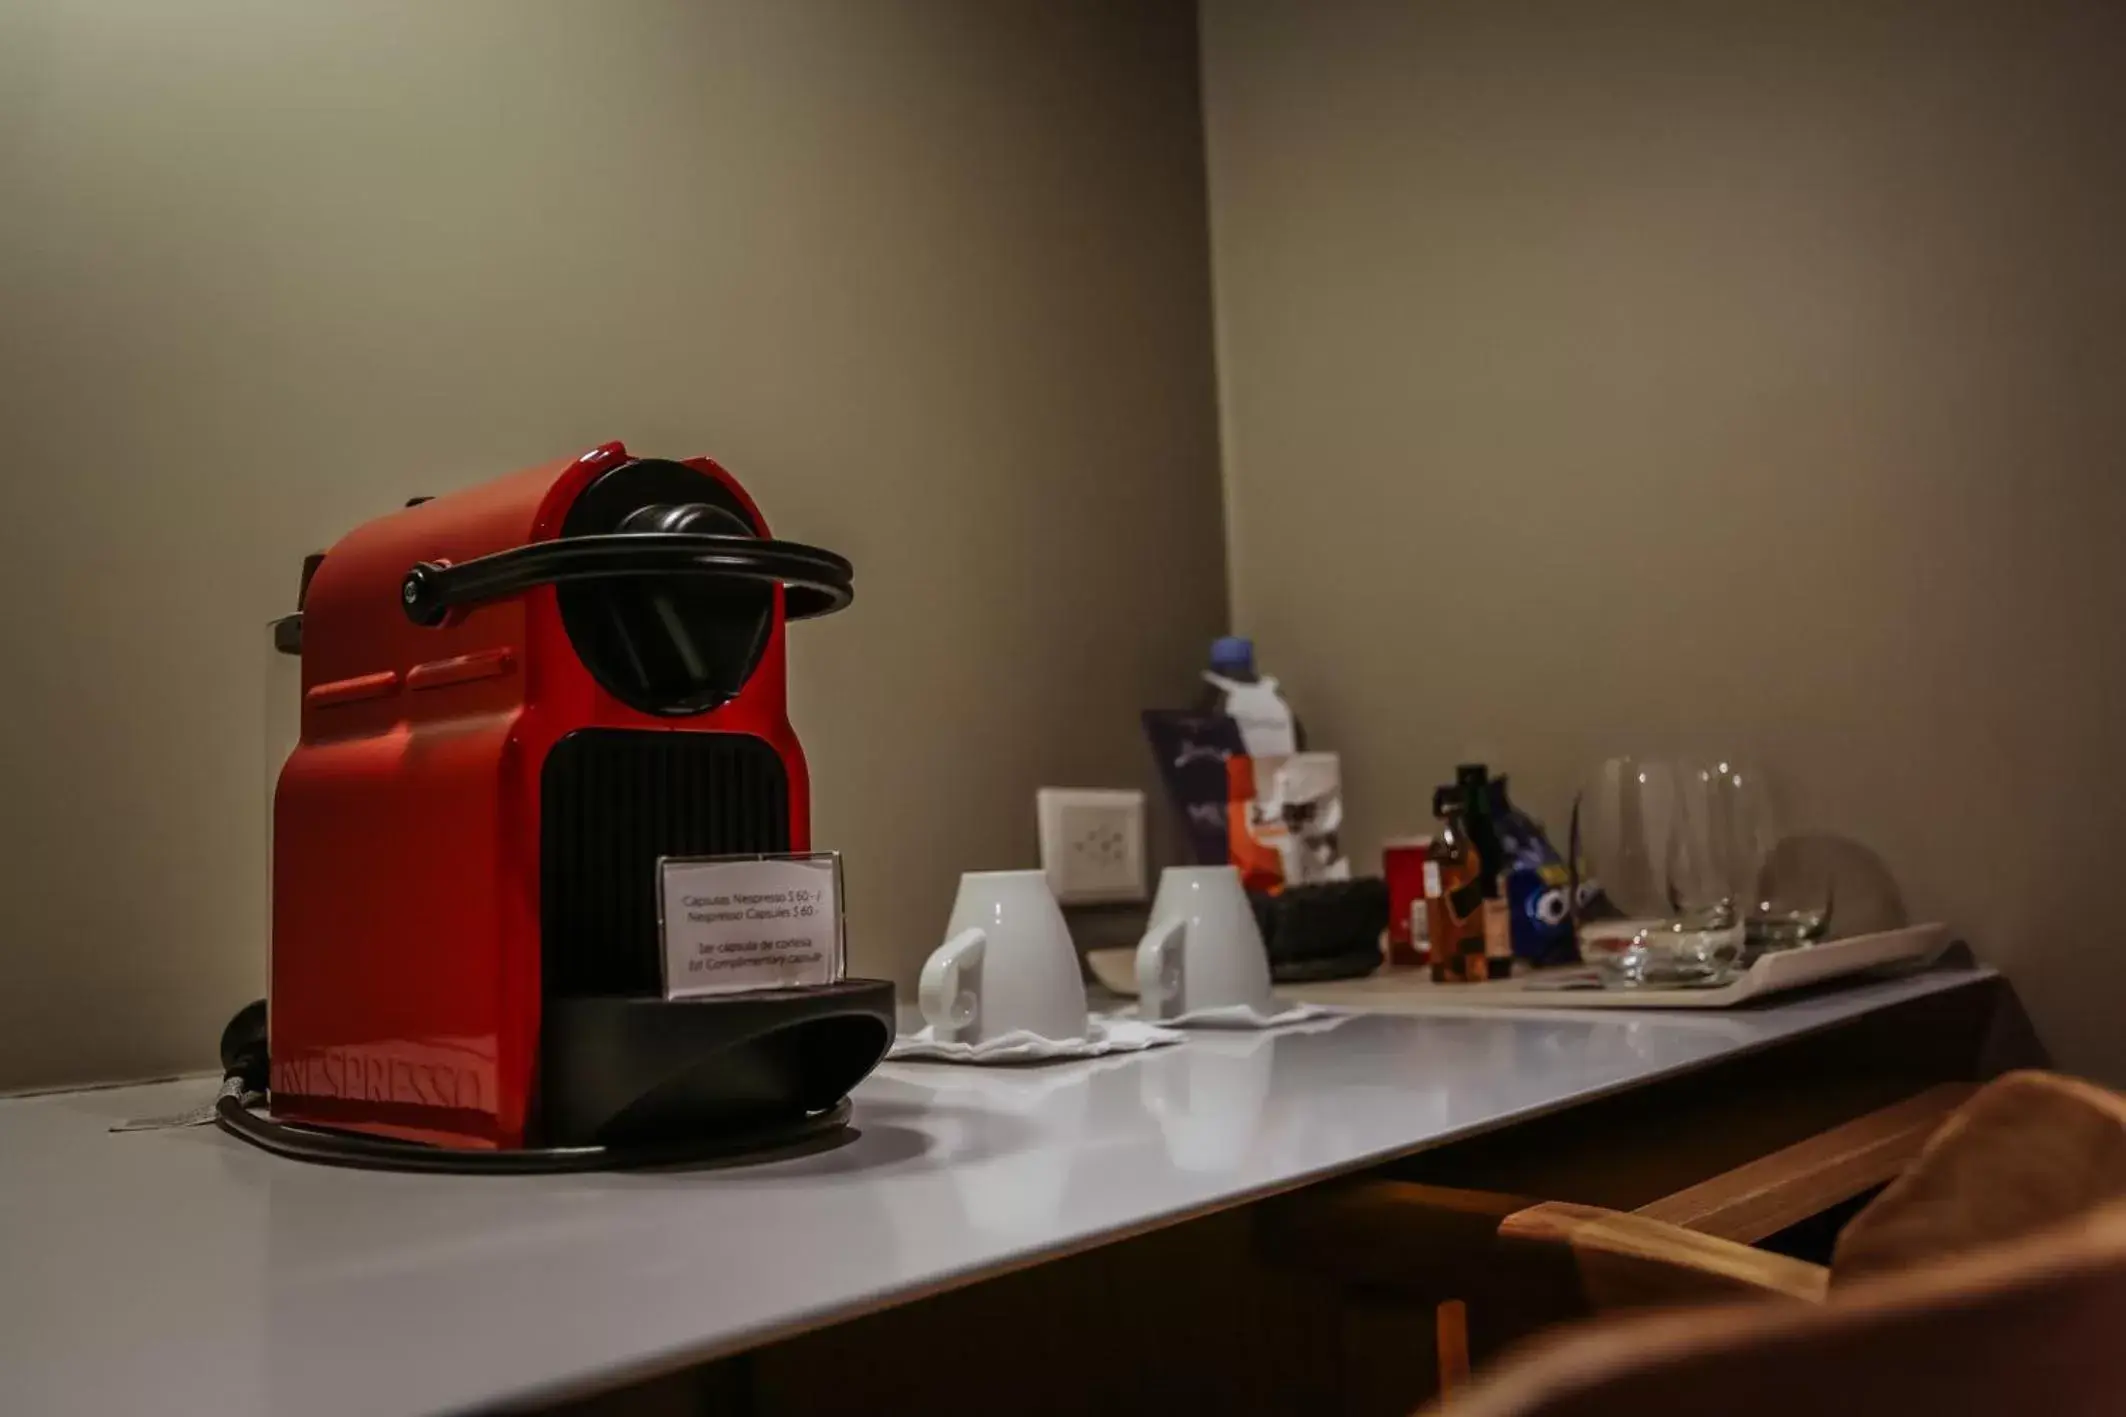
(1410,990)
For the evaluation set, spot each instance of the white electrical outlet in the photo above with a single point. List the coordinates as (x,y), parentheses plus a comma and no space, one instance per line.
(1092,843)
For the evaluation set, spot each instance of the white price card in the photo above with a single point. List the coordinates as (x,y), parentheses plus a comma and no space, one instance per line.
(733,923)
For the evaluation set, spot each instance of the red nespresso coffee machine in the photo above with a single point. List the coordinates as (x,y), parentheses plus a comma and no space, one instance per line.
(516,700)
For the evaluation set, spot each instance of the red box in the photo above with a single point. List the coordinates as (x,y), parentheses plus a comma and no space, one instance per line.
(1402,865)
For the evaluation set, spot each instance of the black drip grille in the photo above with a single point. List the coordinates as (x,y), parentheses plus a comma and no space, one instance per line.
(614,800)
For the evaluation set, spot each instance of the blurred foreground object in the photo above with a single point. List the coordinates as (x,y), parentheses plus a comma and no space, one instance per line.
(1988,1276)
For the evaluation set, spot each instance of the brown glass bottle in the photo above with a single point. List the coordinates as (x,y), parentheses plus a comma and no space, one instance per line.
(1474,785)
(1454,896)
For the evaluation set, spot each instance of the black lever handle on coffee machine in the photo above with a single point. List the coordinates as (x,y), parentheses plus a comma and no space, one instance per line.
(815,582)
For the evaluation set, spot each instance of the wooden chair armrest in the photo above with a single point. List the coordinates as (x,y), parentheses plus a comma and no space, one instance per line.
(1795,1182)
(1436,1243)
(1626,1260)
(1545,1261)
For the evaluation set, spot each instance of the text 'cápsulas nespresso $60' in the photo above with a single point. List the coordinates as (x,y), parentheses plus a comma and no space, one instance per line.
(517,700)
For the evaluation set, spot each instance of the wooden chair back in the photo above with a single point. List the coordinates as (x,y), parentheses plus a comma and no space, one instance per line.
(2027,1152)
(2031,1326)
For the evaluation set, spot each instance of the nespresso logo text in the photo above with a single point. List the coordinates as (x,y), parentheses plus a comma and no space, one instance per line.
(375,1077)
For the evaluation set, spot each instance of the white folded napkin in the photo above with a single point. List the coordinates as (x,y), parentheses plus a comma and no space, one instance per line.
(1102,1036)
(1243,1016)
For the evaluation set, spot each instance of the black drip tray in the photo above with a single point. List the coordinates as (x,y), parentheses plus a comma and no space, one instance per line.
(632,1072)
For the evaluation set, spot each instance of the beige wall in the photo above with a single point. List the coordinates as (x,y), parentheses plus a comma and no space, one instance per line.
(930,277)
(1624,374)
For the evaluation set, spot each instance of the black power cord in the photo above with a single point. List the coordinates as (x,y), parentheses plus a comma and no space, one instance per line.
(246,1068)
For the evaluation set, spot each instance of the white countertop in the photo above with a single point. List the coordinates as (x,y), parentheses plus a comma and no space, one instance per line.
(182,1271)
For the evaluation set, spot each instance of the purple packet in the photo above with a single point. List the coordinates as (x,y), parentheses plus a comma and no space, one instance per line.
(1192,749)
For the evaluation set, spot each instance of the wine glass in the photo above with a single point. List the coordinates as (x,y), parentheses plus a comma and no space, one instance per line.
(1660,837)
(1791,889)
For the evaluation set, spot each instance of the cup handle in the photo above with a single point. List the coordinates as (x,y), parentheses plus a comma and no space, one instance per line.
(1159,958)
(947,1007)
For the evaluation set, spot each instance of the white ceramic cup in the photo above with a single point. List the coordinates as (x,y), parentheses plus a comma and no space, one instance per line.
(1007,964)
(1202,949)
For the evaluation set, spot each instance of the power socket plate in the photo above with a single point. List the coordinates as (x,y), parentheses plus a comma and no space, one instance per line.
(1092,843)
